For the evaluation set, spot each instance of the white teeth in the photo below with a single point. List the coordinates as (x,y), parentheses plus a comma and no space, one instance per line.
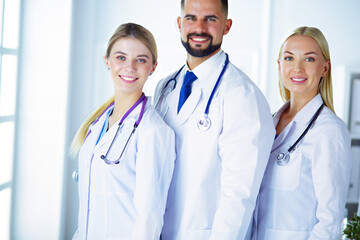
(199,39)
(298,79)
(128,78)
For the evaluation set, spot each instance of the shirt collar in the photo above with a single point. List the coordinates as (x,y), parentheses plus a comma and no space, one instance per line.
(208,78)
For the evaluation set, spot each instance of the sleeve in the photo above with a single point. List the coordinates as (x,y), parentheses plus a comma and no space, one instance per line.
(158,91)
(76,235)
(331,174)
(245,144)
(154,169)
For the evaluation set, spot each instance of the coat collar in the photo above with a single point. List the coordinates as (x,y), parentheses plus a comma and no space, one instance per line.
(201,89)
(303,117)
(97,126)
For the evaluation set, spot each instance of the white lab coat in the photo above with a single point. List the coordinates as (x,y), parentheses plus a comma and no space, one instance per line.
(126,200)
(305,199)
(217,172)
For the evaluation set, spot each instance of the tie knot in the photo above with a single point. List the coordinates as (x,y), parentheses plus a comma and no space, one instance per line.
(189,78)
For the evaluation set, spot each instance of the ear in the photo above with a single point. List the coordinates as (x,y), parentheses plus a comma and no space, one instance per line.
(179,23)
(154,67)
(279,66)
(326,68)
(106,62)
(228,25)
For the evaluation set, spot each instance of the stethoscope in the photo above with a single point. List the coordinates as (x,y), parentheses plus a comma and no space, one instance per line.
(283,158)
(204,123)
(143,100)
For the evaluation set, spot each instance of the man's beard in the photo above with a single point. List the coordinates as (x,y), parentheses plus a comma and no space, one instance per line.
(200,52)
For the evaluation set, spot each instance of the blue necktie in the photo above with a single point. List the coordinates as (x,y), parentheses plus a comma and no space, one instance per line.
(186,88)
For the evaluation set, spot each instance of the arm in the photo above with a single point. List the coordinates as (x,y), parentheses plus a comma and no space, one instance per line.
(245,145)
(154,168)
(331,172)
(76,235)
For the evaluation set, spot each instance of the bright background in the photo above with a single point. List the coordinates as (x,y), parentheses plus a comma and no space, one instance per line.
(60,76)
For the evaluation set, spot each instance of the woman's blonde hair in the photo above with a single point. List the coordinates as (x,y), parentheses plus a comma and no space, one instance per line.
(325,85)
(124,30)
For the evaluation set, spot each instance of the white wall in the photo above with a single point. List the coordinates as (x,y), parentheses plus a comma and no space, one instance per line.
(51,111)
(39,153)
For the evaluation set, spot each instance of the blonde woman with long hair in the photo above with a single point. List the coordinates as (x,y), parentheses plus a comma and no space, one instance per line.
(125,151)
(303,193)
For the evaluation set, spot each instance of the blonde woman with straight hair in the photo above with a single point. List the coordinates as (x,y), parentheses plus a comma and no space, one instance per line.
(303,193)
(126,152)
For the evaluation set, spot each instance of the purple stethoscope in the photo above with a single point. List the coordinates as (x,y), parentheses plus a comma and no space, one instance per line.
(143,100)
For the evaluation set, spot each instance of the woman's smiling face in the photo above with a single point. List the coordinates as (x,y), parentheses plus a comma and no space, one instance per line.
(130,63)
(301,66)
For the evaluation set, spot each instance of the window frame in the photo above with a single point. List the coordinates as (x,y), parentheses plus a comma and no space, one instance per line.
(14,116)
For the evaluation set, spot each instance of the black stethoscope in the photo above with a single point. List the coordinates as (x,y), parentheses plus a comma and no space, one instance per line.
(283,158)
(204,123)
(143,100)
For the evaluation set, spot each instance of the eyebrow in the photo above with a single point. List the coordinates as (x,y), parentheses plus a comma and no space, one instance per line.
(208,16)
(308,53)
(141,55)
(189,15)
(212,16)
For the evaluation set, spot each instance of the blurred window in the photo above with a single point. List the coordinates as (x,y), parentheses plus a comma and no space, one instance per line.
(9,54)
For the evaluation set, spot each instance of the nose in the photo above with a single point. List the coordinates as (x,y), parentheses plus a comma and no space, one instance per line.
(131,65)
(298,65)
(200,26)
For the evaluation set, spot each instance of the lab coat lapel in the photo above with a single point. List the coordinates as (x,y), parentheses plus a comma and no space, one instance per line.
(278,141)
(206,82)
(91,139)
(189,105)
(109,134)
(302,118)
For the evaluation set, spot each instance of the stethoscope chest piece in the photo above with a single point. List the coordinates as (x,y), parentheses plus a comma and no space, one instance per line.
(282,159)
(75,175)
(204,123)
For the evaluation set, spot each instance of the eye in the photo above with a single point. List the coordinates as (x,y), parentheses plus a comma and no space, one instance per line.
(120,58)
(190,18)
(141,60)
(310,59)
(211,19)
(288,58)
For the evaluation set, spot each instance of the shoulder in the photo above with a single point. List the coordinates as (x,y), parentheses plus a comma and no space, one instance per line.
(152,122)
(236,80)
(162,83)
(329,119)
(329,125)
(236,85)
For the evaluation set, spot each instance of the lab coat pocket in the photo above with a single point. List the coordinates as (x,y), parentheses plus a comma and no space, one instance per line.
(285,235)
(198,234)
(287,177)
